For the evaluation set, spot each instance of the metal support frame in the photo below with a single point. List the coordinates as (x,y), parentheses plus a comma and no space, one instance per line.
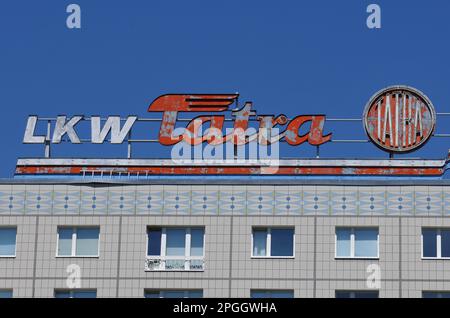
(47,152)
(129,145)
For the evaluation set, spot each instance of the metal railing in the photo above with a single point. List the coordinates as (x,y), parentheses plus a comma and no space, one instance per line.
(130,141)
(174,263)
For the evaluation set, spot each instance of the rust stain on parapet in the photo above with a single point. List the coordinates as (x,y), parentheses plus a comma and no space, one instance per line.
(232,170)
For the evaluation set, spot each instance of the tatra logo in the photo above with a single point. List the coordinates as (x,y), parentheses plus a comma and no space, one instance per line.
(399,119)
(172,104)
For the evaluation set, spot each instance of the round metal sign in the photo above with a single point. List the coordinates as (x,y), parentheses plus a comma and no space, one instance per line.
(399,119)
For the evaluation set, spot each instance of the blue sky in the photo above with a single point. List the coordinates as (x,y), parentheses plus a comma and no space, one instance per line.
(291,57)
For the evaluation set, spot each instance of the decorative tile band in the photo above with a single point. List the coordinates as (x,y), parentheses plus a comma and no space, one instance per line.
(224,200)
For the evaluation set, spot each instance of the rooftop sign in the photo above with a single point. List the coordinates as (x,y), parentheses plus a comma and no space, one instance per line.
(397,119)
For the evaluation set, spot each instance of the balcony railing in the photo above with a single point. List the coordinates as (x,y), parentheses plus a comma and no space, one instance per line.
(156,263)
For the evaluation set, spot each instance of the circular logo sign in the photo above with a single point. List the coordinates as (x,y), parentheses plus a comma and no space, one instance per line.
(399,119)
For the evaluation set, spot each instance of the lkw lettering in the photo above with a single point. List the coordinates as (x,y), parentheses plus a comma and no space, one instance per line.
(63,127)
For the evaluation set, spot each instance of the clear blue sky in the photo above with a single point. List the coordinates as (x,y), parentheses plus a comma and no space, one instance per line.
(292,57)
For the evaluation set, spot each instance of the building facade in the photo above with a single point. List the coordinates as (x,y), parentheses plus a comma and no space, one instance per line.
(245,238)
(239,227)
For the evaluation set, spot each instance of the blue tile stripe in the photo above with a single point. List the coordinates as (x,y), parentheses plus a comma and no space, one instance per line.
(225,200)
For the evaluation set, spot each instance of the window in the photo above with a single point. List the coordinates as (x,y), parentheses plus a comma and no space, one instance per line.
(273,242)
(356,294)
(78,241)
(435,243)
(175,249)
(272,294)
(357,243)
(436,294)
(6,293)
(194,293)
(8,241)
(75,293)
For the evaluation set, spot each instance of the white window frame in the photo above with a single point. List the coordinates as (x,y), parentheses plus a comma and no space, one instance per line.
(74,241)
(162,292)
(162,258)
(15,245)
(269,242)
(438,243)
(72,291)
(352,242)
